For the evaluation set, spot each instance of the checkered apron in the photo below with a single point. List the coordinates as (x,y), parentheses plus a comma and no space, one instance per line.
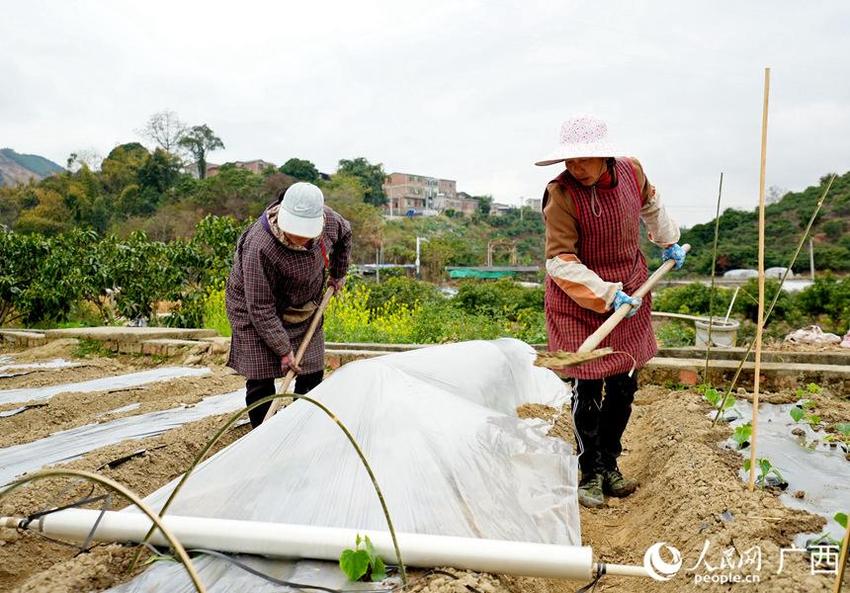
(608,244)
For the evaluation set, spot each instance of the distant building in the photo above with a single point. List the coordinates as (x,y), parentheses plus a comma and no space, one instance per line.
(417,193)
(463,204)
(255,166)
(535,204)
(498,209)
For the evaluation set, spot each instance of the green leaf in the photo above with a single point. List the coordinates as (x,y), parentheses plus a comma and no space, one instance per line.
(730,401)
(841,519)
(357,541)
(843,428)
(813,419)
(379,569)
(370,549)
(796,413)
(354,563)
(747,465)
(742,433)
(765,466)
(813,388)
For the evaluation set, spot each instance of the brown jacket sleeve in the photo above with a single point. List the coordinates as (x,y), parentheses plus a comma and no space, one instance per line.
(559,214)
(662,229)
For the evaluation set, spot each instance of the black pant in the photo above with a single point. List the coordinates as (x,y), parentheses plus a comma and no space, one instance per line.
(599,422)
(257,389)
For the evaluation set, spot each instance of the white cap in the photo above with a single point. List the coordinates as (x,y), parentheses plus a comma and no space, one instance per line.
(301,211)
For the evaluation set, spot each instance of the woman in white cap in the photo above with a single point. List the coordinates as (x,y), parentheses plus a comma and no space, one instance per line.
(592,212)
(279,272)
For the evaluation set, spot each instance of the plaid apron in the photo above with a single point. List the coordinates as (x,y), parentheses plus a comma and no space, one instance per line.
(609,244)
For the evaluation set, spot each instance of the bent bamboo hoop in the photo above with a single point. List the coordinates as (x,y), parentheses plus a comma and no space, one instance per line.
(299,354)
(593,341)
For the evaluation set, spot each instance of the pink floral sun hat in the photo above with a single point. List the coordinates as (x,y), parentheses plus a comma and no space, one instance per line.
(581,137)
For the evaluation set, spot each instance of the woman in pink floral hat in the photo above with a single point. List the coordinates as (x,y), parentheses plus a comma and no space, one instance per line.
(593,211)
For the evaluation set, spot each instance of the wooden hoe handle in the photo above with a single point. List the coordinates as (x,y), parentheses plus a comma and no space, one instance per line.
(317,317)
(593,341)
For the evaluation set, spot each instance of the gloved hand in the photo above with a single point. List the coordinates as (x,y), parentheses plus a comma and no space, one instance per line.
(336,284)
(621,298)
(676,253)
(287,363)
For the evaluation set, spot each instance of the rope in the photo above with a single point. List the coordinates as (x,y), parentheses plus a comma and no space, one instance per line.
(591,586)
(268,577)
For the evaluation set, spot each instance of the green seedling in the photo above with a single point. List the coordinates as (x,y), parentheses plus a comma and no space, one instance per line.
(810,389)
(801,412)
(742,435)
(714,397)
(843,428)
(362,564)
(841,519)
(766,469)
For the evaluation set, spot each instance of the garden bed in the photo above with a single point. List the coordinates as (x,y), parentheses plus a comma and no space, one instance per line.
(690,493)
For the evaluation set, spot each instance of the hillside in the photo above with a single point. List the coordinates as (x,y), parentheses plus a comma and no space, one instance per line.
(136,189)
(785,221)
(18,168)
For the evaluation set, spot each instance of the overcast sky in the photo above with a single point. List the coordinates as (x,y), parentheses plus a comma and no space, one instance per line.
(465,90)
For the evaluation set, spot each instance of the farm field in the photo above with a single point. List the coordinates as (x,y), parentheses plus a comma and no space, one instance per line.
(691,494)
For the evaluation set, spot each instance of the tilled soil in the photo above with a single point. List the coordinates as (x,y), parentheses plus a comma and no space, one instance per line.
(690,494)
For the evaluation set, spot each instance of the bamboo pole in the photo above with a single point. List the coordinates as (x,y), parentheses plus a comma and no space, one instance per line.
(713,273)
(842,561)
(790,265)
(114,486)
(760,324)
(299,354)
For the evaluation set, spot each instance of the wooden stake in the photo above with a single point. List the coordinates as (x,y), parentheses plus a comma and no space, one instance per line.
(842,562)
(713,275)
(760,324)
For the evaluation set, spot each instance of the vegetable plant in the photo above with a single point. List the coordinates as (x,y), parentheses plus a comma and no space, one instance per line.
(766,468)
(714,397)
(742,435)
(801,411)
(362,563)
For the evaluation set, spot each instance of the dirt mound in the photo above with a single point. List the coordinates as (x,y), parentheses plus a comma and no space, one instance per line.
(69,410)
(165,458)
(690,494)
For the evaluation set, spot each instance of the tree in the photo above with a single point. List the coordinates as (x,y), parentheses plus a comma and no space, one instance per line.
(159,171)
(344,193)
(372,176)
(121,166)
(199,140)
(484,204)
(774,194)
(300,169)
(85,157)
(165,130)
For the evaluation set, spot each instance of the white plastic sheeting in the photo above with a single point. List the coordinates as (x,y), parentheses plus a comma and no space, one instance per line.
(70,444)
(806,462)
(25,394)
(439,428)
(56,363)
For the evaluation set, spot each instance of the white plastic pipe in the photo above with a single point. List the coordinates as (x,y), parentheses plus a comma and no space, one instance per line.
(280,540)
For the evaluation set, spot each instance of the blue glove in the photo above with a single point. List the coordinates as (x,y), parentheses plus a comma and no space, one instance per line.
(621,298)
(676,253)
